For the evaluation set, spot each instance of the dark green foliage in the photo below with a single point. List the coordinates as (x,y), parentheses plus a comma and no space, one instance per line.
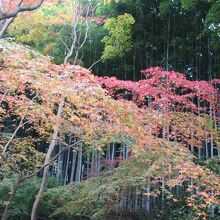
(24,197)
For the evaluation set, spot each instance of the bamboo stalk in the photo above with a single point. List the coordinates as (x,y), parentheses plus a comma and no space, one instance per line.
(99,161)
(212,147)
(79,165)
(87,167)
(148,194)
(73,166)
(67,166)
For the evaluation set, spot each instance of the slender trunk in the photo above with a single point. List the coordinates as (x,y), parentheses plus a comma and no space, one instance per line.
(73,166)
(198,104)
(59,164)
(163,190)
(148,194)
(124,155)
(47,160)
(99,159)
(6,25)
(113,152)
(211,141)
(206,148)
(113,155)
(67,166)
(134,66)
(79,165)
(212,147)
(93,162)
(108,156)
(87,167)
(136,200)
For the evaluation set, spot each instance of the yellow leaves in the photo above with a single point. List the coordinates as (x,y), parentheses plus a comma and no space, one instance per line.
(137,149)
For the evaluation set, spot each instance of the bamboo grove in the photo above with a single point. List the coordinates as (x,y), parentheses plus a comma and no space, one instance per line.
(121,147)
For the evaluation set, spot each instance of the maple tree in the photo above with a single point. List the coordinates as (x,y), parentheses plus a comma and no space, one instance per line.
(158,124)
(167,88)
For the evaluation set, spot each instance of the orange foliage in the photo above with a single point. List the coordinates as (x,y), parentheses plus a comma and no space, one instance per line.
(31,87)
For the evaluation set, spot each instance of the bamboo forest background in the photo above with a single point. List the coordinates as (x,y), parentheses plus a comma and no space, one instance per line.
(178,35)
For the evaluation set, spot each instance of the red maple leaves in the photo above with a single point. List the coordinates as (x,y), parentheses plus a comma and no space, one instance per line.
(164,90)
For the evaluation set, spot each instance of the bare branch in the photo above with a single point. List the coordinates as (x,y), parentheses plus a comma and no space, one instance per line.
(97,61)
(20,9)
(65,44)
(20,125)
(86,33)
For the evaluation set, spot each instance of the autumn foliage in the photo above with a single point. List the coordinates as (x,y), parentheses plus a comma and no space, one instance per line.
(165,89)
(165,115)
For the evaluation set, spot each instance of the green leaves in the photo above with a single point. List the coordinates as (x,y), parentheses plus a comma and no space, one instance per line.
(189,4)
(118,43)
(48,26)
(24,196)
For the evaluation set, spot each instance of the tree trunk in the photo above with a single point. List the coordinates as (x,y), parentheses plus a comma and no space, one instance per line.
(148,194)
(6,25)
(47,160)
(87,166)
(79,165)
(67,167)
(73,166)
(59,164)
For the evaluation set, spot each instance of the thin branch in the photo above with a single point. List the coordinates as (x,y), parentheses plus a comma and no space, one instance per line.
(20,125)
(86,33)
(74,33)
(21,9)
(97,61)
(65,44)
